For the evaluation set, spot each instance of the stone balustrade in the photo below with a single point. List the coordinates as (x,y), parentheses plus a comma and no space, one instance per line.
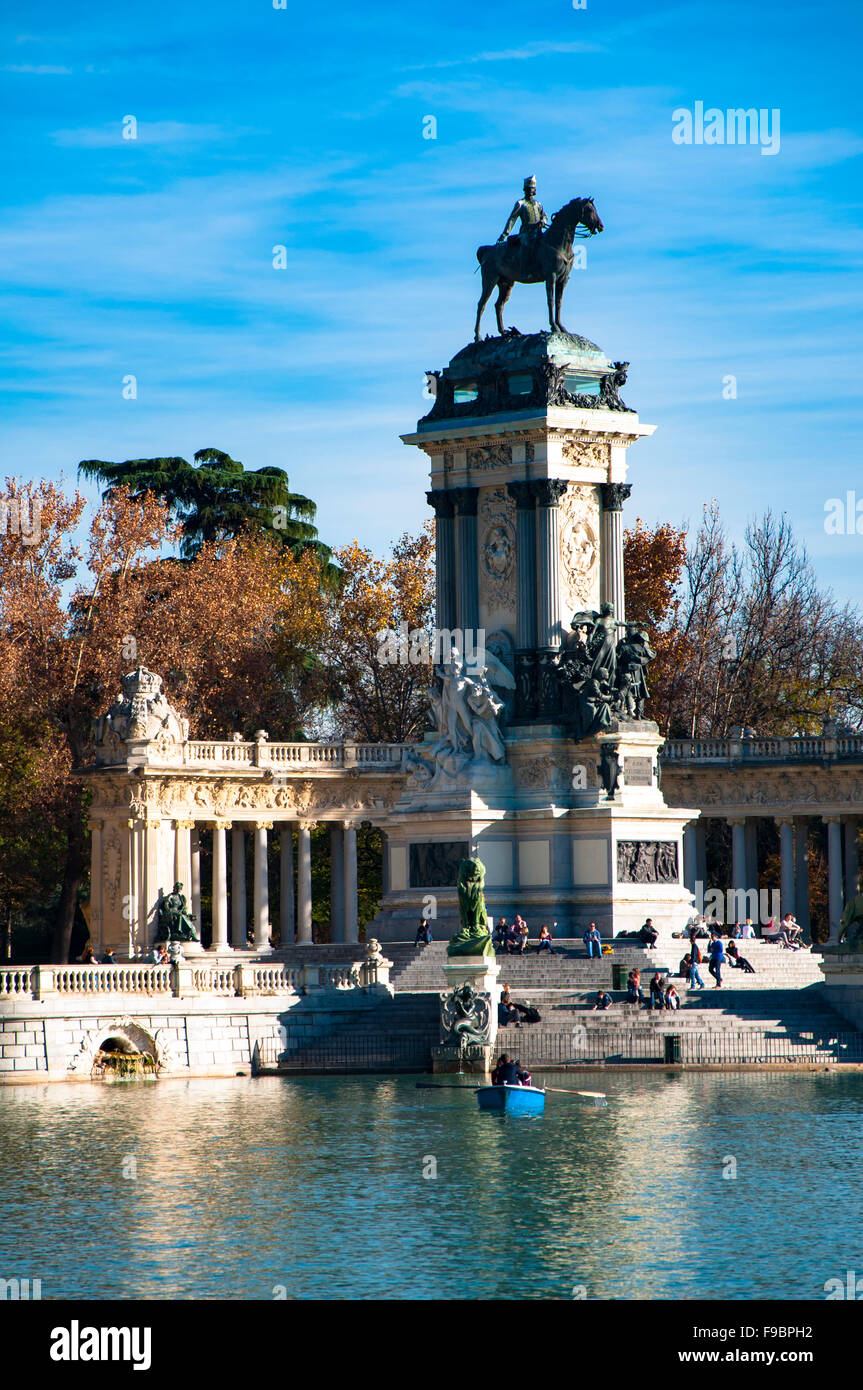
(189,978)
(728,751)
(16,982)
(216,753)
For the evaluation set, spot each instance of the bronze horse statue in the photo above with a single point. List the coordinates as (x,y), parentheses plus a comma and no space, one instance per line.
(548,257)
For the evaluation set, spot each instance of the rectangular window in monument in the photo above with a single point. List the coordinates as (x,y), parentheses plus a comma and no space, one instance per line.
(583,385)
(520,385)
(465,393)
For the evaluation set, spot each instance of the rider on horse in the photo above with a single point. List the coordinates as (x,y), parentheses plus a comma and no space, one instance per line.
(530,212)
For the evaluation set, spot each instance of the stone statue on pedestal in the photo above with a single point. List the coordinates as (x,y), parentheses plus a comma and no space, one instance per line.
(465,713)
(176,922)
(473,939)
(603,675)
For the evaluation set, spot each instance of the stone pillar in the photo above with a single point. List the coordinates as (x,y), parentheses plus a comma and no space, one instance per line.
(304,881)
(834,874)
(525,560)
(466,499)
(786,880)
(738,865)
(262,889)
(337,883)
(350,882)
(444,548)
(548,492)
(220,887)
(801,875)
(690,860)
(238,888)
(96,827)
(611,546)
(852,861)
(286,885)
(701,853)
(134,828)
(183,855)
(752,856)
(195,875)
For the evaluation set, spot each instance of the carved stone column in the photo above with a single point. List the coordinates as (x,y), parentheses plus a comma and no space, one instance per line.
(286,884)
(195,875)
(337,883)
(852,860)
(304,881)
(351,914)
(738,864)
(220,887)
(238,888)
(183,854)
(801,861)
(834,874)
(690,862)
(446,605)
(611,546)
(96,882)
(548,492)
(786,878)
(525,558)
(466,499)
(262,889)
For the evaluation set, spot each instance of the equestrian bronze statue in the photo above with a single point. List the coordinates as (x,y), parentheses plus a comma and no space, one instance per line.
(535,255)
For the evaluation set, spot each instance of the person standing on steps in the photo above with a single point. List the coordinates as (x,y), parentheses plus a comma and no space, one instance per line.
(716,952)
(694,962)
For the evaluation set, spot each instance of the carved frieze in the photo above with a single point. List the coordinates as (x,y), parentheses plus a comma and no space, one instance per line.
(647,861)
(591,453)
(489,456)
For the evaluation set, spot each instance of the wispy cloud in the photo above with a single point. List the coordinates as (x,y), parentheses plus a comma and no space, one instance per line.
(38,69)
(540,49)
(148,133)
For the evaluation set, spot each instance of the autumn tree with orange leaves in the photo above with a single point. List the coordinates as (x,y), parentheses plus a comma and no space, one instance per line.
(653,562)
(232,632)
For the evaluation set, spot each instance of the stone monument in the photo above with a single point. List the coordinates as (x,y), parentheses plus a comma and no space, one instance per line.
(540,760)
(469,1008)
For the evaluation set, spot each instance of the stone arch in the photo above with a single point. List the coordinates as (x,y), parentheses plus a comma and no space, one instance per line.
(120,1035)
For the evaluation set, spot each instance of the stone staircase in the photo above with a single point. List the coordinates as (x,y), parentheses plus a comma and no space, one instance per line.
(379,1034)
(778,1015)
(570,968)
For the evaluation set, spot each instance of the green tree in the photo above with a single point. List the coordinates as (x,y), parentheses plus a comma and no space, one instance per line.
(216,498)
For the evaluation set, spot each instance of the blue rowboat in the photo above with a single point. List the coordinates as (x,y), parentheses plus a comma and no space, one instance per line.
(516,1100)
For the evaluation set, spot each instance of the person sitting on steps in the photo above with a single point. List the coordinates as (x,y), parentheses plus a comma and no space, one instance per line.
(648,935)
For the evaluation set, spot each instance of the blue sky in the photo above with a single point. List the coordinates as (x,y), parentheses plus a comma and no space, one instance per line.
(304,127)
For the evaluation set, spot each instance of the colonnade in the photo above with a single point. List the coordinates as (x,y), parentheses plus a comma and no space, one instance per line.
(843,866)
(231,908)
(538,612)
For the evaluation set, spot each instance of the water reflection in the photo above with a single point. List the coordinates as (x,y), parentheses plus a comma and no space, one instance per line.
(316,1184)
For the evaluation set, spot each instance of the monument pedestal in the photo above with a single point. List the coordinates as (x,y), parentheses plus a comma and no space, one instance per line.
(556,847)
(482,974)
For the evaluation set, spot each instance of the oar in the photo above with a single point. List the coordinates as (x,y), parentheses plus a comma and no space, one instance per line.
(564,1091)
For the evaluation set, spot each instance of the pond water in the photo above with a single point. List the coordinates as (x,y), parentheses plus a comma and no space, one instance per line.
(314,1187)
